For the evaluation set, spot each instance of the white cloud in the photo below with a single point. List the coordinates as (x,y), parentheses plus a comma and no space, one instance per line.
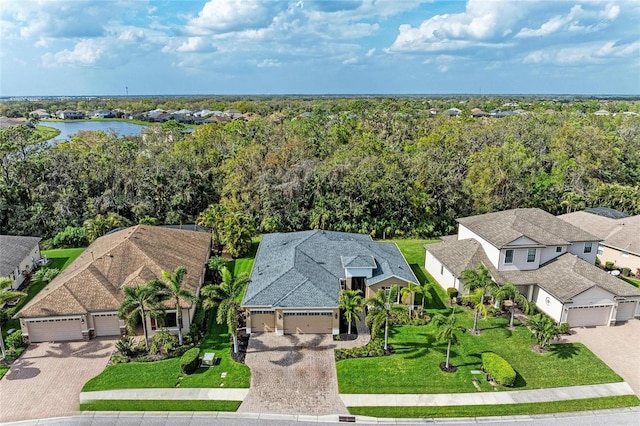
(229,15)
(85,52)
(370,52)
(586,53)
(268,63)
(350,61)
(194,44)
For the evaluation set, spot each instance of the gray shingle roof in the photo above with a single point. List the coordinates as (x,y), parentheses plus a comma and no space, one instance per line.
(502,228)
(13,250)
(622,233)
(303,269)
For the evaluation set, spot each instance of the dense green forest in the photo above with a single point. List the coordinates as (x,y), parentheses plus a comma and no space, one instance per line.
(371,165)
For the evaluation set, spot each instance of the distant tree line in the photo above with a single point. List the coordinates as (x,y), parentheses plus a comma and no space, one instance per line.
(382,166)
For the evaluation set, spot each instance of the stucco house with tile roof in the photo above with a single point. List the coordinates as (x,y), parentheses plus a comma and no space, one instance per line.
(18,257)
(619,235)
(551,262)
(297,277)
(82,302)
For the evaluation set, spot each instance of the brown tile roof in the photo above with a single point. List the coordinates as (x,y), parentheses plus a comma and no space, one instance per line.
(132,256)
(622,234)
(502,228)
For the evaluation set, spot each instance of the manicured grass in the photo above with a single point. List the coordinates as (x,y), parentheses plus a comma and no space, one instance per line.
(159,405)
(414,368)
(499,410)
(632,281)
(3,371)
(244,264)
(167,374)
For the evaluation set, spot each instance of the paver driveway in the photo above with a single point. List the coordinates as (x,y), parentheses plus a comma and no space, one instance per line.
(292,374)
(46,380)
(618,346)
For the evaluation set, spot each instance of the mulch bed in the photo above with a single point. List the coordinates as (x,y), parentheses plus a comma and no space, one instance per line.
(243,343)
(451,369)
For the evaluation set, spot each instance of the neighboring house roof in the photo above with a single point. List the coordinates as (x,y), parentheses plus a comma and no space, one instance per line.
(563,277)
(8,122)
(13,250)
(303,269)
(607,212)
(502,228)
(621,234)
(131,257)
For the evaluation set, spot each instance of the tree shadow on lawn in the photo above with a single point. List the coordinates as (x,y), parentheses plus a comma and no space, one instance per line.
(436,302)
(415,350)
(564,350)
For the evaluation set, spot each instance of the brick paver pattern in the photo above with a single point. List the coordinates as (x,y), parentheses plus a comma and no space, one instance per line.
(292,374)
(46,380)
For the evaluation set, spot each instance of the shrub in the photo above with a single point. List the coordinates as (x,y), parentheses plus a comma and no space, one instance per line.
(564,328)
(452,292)
(15,341)
(200,316)
(626,271)
(163,341)
(374,348)
(498,369)
(189,361)
(608,266)
(119,359)
(495,312)
(181,350)
(70,237)
(125,346)
(148,220)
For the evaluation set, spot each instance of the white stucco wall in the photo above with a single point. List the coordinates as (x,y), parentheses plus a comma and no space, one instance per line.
(553,308)
(548,253)
(490,250)
(519,260)
(578,250)
(593,296)
(620,259)
(446,279)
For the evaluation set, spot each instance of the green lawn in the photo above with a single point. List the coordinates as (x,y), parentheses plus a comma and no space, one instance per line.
(414,368)
(159,405)
(45,133)
(499,410)
(632,281)
(3,370)
(60,258)
(167,374)
(244,264)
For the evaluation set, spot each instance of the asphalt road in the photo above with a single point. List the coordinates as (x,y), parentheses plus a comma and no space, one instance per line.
(622,417)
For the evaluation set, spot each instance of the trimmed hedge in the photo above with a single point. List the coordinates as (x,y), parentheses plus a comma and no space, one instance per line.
(189,361)
(498,369)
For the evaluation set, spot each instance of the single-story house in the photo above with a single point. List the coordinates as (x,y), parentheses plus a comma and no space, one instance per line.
(619,234)
(18,257)
(550,261)
(297,277)
(82,302)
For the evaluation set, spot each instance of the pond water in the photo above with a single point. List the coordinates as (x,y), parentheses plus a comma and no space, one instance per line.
(68,129)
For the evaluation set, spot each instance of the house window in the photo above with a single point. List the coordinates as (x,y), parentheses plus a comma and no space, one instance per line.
(558,249)
(587,247)
(531,255)
(508,256)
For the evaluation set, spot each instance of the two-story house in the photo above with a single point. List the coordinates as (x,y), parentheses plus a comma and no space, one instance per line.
(549,260)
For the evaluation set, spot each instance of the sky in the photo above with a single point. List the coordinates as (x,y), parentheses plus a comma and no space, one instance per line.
(251,47)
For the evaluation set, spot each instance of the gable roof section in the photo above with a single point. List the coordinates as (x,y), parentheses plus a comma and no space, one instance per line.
(132,256)
(502,228)
(13,250)
(303,269)
(621,233)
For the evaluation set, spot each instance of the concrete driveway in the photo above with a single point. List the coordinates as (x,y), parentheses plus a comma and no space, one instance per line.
(618,346)
(292,374)
(46,380)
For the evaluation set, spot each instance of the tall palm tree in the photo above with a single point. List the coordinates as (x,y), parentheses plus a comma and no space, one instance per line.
(172,287)
(413,289)
(6,294)
(350,302)
(476,299)
(226,296)
(139,302)
(508,291)
(447,330)
(478,279)
(382,308)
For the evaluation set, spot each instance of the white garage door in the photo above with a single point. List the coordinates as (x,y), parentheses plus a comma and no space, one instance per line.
(626,310)
(106,325)
(55,330)
(307,322)
(586,316)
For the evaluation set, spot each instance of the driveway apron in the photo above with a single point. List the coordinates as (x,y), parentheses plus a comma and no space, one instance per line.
(292,374)
(46,380)
(618,346)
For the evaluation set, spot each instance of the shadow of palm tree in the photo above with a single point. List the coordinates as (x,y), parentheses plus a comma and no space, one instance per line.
(22,371)
(564,350)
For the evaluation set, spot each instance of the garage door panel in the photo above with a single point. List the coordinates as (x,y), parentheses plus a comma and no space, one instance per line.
(263,322)
(626,310)
(588,316)
(55,330)
(106,325)
(311,323)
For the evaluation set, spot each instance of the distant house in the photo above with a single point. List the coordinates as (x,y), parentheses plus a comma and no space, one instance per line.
(42,114)
(618,232)
(82,302)
(104,113)
(18,257)
(433,111)
(297,277)
(477,112)
(549,260)
(602,112)
(70,115)
(453,112)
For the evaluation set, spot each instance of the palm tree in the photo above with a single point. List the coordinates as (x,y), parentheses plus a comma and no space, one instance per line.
(382,308)
(509,292)
(172,288)
(226,297)
(139,302)
(6,294)
(476,299)
(45,275)
(412,289)
(447,330)
(475,279)
(350,302)
(543,329)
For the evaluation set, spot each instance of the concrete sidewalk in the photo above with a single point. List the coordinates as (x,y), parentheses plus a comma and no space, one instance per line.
(487,398)
(230,394)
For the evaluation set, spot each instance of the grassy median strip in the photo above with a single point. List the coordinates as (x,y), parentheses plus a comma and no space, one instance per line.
(158,405)
(499,410)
